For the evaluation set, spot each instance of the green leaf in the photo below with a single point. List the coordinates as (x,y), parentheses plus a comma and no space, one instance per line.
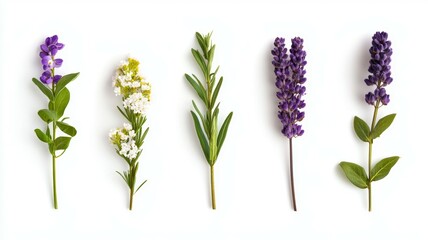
(382,125)
(355,173)
(362,129)
(213,141)
(42,136)
(140,186)
(66,79)
(210,57)
(66,128)
(382,168)
(61,102)
(43,88)
(201,62)
(201,136)
(47,115)
(199,90)
(216,90)
(202,44)
(223,132)
(48,132)
(61,143)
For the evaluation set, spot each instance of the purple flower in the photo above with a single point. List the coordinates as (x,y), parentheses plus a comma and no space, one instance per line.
(290,76)
(380,69)
(48,51)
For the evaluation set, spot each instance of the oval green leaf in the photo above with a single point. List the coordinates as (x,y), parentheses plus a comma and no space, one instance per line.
(66,128)
(66,79)
(382,125)
(355,173)
(362,129)
(382,168)
(43,88)
(61,102)
(61,143)
(47,115)
(42,136)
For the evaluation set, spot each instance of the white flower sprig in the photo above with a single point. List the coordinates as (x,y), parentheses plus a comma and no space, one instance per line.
(129,139)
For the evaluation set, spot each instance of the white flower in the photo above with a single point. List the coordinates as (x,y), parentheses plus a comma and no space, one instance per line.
(127,126)
(137,102)
(117,91)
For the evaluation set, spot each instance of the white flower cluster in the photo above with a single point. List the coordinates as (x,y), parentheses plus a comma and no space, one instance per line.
(123,138)
(137,102)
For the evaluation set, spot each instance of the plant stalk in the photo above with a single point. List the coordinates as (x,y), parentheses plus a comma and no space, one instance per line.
(212,188)
(53,154)
(131,198)
(293,195)
(370,154)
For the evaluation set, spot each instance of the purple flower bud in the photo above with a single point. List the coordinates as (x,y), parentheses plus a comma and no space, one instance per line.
(289,71)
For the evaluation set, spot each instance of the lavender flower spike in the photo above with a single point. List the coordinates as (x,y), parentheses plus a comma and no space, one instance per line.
(380,69)
(290,77)
(380,76)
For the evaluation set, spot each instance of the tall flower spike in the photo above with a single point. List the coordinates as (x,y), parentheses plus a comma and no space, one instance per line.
(380,76)
(290,77)
(128,141)
(380,69)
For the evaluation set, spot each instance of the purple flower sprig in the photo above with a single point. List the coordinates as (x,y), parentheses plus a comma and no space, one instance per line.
(48,51)
(290,77)
(380,77)
(54,88)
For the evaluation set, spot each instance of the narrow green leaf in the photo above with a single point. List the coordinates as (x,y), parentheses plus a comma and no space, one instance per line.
(202,139)
(362,129)
(355,173)
(61,102)
(43,88)
(123,177)
(202,44)
(213,141)
(140,186)
(66,128)
(47,115)
(51,147)
(42,136)
(61,143)
(199,90)
(382,125)
(210,57)
(121,111)
(201,62)
(66,79)
(216,90)
(223,132)
(382,168)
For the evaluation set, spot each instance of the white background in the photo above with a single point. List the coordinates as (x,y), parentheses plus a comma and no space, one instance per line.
(253,197)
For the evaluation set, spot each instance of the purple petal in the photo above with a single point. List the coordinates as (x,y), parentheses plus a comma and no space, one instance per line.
(58,62)
(54,50)
(56,78)
(44,48)
(59,46)
(54,39)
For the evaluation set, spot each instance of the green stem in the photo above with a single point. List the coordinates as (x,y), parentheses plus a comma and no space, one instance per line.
(54,156)
(293,195)
(370,154)
(212,188)
(131,198)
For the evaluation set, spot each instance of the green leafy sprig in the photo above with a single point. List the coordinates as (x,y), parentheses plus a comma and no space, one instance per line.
(59,97)
(210,136)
